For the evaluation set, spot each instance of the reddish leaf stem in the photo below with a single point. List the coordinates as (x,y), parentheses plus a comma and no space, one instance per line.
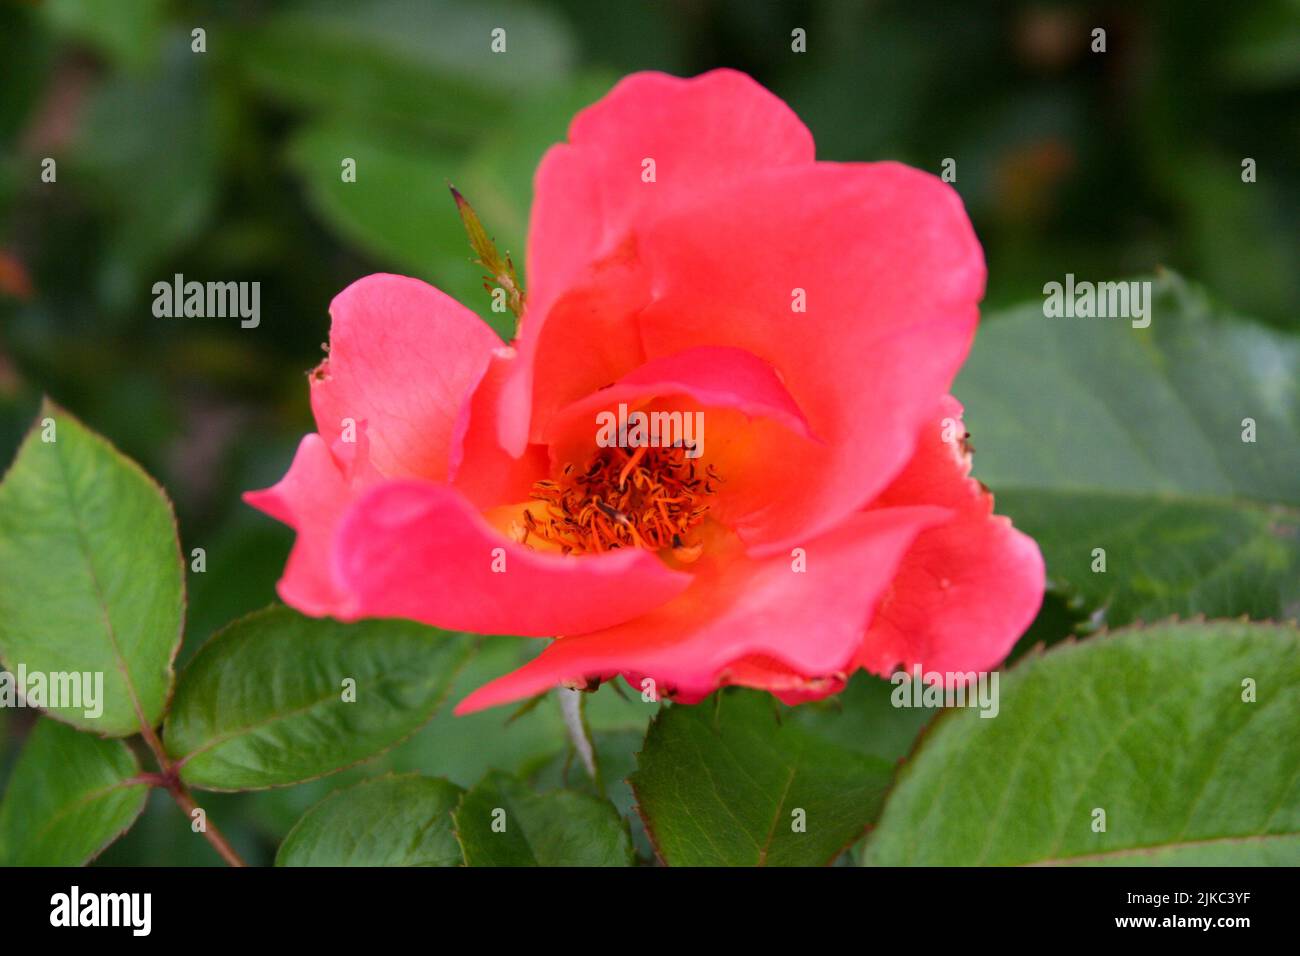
(171,780)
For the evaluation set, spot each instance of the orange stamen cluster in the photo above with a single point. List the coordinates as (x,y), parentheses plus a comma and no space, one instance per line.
(624,498)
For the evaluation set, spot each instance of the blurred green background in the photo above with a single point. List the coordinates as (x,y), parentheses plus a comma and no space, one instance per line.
(225,165)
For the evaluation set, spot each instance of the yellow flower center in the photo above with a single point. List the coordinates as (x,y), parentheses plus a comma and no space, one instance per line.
(623,498)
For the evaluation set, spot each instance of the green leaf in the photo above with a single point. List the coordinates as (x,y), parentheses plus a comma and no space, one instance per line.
(164,836)
(500,269)
(390,821)
(399,211)
(68,798)
(262,703)
(615,752)
(147,152)
(862,719)
(1148,725)
(425,64)
(498,173)
(464,749)
(501,822)
(733,782)
(92,573)
(129,32)
(1094,434)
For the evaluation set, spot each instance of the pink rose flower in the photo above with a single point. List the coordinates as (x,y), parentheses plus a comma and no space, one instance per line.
(686,253)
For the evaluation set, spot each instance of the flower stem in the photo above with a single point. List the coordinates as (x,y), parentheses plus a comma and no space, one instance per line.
(571,705)
(170,779)
(181,794)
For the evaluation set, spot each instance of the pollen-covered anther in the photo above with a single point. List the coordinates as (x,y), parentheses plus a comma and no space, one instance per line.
(647,497)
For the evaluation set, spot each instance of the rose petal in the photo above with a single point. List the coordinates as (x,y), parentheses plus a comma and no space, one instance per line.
(891,273)
(723,377)
(967,589)
(702,133)
(419,550)
(786,684)
(405,359)
(486,474)
(809,621)
(310,498)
